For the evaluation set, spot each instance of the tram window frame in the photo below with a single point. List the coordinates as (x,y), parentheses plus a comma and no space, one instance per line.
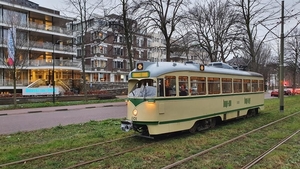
(183,81)
(237,85)
(261,85)
(226,85)
(170,86)
(246,85)
(254,85)
(213,85)
(199,83)
(160,87)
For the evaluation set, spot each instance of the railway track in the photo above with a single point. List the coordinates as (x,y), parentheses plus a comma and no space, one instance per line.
(62,152)
(116,151)
(254,161)
(260,157)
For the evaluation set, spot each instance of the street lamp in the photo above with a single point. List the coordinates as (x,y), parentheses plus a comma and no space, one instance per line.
(53,68)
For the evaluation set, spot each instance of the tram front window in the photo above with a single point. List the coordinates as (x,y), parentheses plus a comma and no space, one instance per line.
(143,88)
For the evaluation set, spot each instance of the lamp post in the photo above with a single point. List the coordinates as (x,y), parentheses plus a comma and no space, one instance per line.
(53,68)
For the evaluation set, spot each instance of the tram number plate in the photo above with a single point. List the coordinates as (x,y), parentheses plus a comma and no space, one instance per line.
(134,118)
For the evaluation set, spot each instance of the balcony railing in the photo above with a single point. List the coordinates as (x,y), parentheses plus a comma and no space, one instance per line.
(57,62)
(43,45)
(49,46)
(57,29)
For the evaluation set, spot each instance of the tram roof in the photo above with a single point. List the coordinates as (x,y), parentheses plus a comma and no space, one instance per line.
(160,68)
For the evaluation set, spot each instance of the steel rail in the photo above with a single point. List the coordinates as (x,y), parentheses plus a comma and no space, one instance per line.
(61,152)
(224,143)
(257,159)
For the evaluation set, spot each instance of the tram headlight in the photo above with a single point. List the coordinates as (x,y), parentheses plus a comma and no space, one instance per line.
(135,112)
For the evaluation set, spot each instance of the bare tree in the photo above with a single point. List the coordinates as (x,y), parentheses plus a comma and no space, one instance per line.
(162,15)
(84,10)
(251,14)
(129,28)
(214,26)
(292,59)
(18,46)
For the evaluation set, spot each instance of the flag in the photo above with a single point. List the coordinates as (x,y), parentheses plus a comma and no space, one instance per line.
(11,41)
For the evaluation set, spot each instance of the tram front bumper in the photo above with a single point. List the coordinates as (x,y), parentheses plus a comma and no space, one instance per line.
(126,125)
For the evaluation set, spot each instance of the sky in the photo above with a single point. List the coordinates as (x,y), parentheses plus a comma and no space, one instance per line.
(60,5)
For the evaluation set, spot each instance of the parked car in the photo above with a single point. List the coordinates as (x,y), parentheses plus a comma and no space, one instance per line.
(275,93)
(287,91)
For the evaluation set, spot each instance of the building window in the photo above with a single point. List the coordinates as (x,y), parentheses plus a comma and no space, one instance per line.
(118,51)
(118,64)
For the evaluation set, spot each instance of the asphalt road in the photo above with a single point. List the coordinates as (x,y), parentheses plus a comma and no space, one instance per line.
(13,121)
(16,121)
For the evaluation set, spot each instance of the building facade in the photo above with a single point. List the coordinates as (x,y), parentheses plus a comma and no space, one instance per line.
(105,52)
(40,44)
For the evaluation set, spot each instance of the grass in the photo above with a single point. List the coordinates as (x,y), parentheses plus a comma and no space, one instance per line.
(50,104)
(28,144)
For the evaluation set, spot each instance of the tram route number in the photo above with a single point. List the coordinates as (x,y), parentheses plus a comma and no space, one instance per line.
(134,118)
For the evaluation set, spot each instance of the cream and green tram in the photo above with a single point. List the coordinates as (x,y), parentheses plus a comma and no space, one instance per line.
(165,97)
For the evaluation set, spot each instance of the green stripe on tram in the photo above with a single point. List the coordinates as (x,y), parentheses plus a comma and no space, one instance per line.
(192,118)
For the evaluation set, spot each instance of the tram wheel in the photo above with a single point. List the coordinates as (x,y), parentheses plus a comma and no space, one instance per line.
(213,122)
(194,128)
(251,113)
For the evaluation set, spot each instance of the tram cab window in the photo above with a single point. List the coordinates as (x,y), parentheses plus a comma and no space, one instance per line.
(213,85)
(198,85)
(247,85)
(183,83)
(143,88)
(226,85)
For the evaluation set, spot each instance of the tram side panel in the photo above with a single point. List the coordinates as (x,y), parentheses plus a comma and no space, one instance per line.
(181,114)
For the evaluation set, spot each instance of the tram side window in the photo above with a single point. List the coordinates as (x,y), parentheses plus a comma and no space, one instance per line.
(261,85)
(247,85)
(183,83)
(170,86)
(254,85)
(213,85)
(237,85)
(198,86)
(226,85)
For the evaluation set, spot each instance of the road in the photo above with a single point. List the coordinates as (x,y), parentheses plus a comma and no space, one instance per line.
(12,121)
(16,121)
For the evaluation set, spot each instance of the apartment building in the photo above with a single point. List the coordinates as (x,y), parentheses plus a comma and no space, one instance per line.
(105,51)
(40,43)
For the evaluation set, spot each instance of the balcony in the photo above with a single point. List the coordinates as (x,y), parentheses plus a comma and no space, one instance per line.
(32,26)
(57,63)
(36,45)
(50,28)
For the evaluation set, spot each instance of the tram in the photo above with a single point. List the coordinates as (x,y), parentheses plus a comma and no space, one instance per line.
(166,97)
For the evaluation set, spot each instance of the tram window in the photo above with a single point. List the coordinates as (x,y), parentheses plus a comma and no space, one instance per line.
(170,86)
(213,85)
(143,88)
(198,86)
(247,85)
(226,85)
(237,85)
(261,85)
(254,85)
(183,84)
